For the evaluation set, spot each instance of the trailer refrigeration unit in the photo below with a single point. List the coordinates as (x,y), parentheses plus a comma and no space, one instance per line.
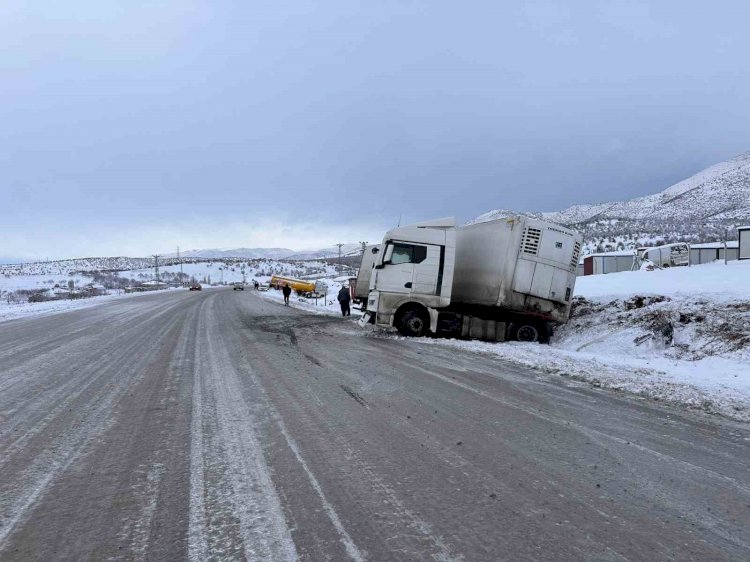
(510,278)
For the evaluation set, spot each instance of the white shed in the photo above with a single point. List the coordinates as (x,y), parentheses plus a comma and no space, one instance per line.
(712,251)
(610,262)
(744,242)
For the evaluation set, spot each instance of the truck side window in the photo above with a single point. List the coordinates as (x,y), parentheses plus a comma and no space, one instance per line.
(401,254)
(407,253)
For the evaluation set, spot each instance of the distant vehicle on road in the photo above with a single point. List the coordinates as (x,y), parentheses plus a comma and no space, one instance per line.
(263,286)
(195,287)
(238,286)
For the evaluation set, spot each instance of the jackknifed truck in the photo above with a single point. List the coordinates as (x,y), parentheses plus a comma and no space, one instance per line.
(506,279)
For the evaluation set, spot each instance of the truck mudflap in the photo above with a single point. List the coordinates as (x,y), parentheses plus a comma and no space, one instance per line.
(366,319)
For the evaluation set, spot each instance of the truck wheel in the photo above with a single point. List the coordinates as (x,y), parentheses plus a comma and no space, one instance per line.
(529,333)
(413,323)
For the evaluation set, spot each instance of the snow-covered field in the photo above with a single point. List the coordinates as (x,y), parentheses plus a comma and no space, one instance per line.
(229,272)
(680,335)
(208,273)
(23,310)
(19,282)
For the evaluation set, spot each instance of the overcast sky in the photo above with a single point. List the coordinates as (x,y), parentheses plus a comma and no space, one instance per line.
(130,127)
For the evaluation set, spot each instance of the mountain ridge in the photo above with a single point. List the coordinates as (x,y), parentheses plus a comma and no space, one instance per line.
(720,193)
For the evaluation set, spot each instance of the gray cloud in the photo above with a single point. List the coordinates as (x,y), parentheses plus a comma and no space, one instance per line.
(180,118)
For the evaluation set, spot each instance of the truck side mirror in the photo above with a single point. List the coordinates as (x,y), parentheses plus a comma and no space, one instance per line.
(386,257)
(375,250)
(388,254)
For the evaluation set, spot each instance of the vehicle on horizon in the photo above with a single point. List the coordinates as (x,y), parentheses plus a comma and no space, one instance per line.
(195,287)
(506,279)
(667,255)
(238,286)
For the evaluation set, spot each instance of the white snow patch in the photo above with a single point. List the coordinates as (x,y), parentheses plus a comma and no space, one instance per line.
(680,335)
(13,311)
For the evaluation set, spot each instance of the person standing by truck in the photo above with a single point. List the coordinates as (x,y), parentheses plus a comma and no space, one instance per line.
(287,290)
(344,297)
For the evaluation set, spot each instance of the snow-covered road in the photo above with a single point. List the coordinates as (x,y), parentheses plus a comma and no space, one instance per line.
(219,425)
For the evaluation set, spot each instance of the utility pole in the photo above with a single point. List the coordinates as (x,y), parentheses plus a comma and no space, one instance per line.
(339,247)
(179,259)
(156,267)
(364,246)
(726,237)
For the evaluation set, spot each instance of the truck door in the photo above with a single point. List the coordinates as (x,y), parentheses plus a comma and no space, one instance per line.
(396,274)
(409,268)
(426,269)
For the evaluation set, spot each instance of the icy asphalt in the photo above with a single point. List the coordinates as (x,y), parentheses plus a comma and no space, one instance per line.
(221,426)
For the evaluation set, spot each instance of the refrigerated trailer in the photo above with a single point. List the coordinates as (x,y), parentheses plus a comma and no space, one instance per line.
(510,278)
(360,288)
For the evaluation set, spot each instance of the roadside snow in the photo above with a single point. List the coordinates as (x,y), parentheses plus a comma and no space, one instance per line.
(328,305)
(680,335)
(715,385)
(24,310)
(721,282)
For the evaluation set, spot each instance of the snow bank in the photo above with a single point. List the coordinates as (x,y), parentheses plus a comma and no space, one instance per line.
(680,335)
(24,310)
(714,280)
(328,305)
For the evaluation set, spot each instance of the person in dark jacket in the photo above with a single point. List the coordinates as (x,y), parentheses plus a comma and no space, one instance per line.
(287,290)
(344,297)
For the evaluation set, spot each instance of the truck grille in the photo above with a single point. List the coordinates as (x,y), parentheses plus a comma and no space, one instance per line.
(530,241)
(576,255)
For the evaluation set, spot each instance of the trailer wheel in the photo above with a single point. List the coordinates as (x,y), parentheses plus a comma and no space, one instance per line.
(414,322)
(528,333)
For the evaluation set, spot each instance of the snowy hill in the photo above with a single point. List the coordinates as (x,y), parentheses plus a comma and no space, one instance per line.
(247,253)
(697,209)
(268,253)
(332,252)
(70,266)
(65,267)
(720,192)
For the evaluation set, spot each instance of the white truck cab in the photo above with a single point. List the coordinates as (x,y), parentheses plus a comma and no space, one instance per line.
(415,265)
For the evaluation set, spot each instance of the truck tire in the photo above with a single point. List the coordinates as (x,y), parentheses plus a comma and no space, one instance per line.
(528,332)
(414,322)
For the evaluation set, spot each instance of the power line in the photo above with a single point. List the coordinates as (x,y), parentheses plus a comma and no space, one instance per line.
(179,259)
